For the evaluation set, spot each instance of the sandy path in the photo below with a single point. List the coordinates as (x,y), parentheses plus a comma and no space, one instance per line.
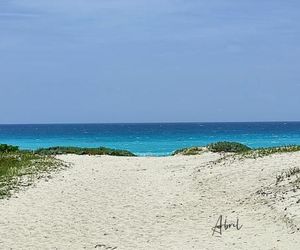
(149,203)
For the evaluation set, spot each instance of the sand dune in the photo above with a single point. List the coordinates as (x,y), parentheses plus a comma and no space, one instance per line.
(157,203)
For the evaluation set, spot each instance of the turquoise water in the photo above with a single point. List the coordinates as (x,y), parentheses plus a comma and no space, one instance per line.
(150,139)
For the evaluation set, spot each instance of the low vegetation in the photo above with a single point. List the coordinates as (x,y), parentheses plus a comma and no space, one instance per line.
(83,151)
(188,151)
(232,147)
(4,148)
(261,152)
(20,168)
(239,149)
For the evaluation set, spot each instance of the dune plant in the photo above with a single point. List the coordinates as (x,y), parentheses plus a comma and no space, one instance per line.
(261,152)
(83,151)
(188,151)
(224,146)
(4,148)
(21,168)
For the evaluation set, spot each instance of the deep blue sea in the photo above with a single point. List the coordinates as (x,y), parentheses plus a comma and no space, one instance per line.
(150,139)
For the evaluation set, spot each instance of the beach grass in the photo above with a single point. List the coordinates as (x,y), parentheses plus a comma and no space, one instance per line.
(20,168)
(217,147)
(4,148)
(83,151)
(239,149)
(188,151)
(262,152)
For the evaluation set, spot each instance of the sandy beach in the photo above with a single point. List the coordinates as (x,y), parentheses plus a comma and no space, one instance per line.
(103,202)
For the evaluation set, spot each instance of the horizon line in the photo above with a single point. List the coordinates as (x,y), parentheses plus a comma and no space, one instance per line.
(136,123)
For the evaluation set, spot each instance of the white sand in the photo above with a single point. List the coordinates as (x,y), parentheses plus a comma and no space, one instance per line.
(155,203)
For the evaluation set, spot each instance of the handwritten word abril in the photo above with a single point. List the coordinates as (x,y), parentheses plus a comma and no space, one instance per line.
(223,225)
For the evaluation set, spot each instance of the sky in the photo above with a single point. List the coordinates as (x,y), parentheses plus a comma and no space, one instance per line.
(98,61)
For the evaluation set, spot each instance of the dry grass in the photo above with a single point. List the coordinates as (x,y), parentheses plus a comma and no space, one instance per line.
(19,169)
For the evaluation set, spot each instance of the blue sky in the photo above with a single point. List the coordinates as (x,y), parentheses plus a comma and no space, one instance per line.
(149,61)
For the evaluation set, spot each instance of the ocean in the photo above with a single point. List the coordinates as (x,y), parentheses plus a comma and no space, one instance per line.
(147,139)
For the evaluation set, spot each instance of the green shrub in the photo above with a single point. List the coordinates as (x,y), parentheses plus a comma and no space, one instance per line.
(188,151)
(233,147)
(83,151)
(4,148)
